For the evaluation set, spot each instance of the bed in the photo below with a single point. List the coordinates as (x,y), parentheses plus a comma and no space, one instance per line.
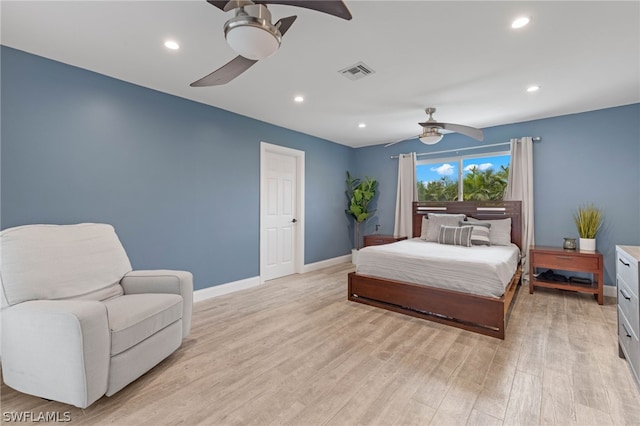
(436,301)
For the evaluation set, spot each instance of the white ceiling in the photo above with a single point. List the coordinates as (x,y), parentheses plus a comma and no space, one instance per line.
(461,57)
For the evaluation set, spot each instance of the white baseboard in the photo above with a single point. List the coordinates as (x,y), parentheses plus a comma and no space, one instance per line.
(326,263)
(222,289)
(610,290)
(219,290)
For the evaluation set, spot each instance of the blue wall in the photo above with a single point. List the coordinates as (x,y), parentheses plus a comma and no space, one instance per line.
(588,157)
(179,180)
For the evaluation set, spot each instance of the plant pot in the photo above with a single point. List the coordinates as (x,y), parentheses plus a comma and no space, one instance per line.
(354,256)
(588,244)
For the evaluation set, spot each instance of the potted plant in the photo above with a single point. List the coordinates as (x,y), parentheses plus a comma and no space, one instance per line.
(588,220)
(359,195)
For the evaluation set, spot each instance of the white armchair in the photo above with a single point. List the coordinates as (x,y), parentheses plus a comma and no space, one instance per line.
(77,322)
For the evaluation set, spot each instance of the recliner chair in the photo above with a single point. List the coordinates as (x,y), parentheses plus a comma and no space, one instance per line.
(77,322)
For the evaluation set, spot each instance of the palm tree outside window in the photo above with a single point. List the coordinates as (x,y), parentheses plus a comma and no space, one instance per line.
(469,178)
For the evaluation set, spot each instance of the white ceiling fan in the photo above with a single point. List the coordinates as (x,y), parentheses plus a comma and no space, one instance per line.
(251,34)
(431,130)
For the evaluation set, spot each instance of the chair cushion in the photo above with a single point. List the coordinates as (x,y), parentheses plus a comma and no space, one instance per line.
(135,317)
(61,262)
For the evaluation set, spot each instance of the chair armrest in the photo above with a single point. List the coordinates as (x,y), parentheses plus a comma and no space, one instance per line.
(57,349)
(163,281)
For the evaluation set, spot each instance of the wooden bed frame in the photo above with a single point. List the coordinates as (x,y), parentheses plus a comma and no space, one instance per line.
(485,315)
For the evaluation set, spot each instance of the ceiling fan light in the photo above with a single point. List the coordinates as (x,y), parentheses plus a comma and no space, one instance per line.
(430,138)
(251,34)
(252,42)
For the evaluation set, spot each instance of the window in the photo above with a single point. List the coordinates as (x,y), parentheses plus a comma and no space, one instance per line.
(472,177)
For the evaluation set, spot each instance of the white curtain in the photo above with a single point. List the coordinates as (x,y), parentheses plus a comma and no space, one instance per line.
(520,187)
(406,195)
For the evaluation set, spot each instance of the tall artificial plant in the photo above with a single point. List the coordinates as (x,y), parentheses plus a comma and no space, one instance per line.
(588,220)
(359,195)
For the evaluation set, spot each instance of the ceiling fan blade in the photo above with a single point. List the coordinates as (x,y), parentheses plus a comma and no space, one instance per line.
(432,124)
(472,132)
(226,73)
(335,8)
(220,4)
(401,140)
(284,24)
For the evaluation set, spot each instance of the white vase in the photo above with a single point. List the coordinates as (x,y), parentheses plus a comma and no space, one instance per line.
(588,244)
(354,256)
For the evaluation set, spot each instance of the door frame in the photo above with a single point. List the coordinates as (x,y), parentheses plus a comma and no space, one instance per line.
(266,147)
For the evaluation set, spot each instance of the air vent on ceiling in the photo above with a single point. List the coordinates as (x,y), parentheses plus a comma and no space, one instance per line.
(357,71)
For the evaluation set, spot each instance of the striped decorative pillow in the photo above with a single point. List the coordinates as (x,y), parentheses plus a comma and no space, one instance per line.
(455,235)
(480,236)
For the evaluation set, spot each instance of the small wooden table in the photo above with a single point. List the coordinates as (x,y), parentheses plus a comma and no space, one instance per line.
(556,258)
(380,239)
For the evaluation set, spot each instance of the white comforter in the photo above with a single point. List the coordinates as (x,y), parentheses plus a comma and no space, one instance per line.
(480,270)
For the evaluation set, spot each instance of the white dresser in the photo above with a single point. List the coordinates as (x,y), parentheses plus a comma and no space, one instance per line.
(627,277)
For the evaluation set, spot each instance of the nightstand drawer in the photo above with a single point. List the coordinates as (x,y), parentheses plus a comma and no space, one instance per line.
(627,269)
(375,241)
(628,304)
(566,262)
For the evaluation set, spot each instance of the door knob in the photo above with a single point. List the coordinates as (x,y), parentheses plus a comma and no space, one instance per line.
(294,220)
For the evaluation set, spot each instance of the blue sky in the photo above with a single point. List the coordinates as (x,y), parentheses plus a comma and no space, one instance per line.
(434,171)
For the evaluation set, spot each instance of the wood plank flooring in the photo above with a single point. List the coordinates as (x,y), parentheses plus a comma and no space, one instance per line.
(294,351)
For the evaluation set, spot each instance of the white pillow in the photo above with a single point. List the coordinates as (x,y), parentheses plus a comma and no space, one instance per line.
(425,227)
(432,229)
(500,231)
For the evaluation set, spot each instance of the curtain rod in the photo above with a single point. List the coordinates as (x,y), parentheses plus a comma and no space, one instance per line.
(535,139)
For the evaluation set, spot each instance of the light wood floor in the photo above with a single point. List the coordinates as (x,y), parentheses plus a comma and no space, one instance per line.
(295,351)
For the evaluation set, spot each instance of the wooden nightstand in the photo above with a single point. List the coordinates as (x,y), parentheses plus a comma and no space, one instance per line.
(559,259)
(379,239)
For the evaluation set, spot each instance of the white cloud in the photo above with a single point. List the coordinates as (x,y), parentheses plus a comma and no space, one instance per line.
(482,167)
(444,170)
(485,166)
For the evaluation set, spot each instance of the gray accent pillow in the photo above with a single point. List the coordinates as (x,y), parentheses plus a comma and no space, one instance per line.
(480,236)
(500,234)
(432,229)
(455,235)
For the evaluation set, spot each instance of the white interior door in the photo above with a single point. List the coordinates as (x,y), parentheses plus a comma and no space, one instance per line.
(280,213)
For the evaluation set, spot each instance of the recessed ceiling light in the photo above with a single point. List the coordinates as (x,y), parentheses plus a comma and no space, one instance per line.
(533,88)
(520,22)
(362,125)
(170,44)
(298,99)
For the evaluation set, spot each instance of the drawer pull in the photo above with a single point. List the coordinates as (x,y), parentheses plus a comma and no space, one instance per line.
(626,296)
(564,257)
(623,262)
(626,331)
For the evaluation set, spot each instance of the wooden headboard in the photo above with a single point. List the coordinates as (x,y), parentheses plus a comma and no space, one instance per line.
(483,210)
